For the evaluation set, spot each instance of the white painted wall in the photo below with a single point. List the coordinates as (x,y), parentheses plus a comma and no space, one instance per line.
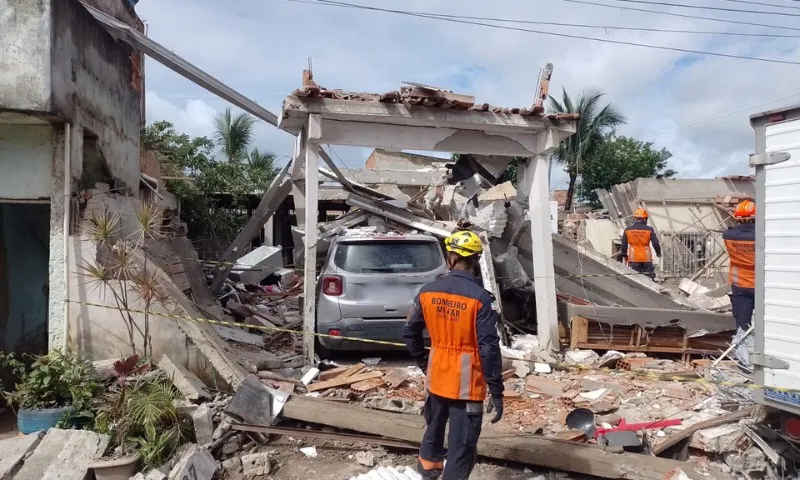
(26,161)
(601,233)
(25,40)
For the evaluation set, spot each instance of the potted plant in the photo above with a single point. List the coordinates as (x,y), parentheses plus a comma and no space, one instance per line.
(138,411)
(56,390)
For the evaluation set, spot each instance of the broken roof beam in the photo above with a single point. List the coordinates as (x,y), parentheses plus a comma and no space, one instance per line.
(276,193)
(296,110)
(177,64)
(400,215)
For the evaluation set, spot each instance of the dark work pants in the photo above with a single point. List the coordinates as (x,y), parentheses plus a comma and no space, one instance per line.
(743,302)
(645,268)
(462,441)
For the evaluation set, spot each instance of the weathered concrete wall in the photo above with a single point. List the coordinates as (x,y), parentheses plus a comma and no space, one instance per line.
(96,85)
(26,161)
(25,41)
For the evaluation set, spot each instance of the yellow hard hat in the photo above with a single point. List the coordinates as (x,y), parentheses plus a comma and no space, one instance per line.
(464,243)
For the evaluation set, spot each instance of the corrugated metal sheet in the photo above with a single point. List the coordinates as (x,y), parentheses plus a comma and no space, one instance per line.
(389,473)
(781,329)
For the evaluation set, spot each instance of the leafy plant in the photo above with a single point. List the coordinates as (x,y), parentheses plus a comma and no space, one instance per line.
(10,367)
(58,379)
(140,409)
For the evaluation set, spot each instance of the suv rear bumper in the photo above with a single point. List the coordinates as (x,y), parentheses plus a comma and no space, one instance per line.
(389,330)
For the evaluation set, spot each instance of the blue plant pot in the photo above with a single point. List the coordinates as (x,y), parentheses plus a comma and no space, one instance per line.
(29,421)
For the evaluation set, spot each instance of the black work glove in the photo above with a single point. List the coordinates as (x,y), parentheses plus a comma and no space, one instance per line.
(495,405)
(422,362)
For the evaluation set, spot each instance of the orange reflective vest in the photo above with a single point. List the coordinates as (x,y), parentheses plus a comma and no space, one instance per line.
(740,241)
(636,243)
(464,359)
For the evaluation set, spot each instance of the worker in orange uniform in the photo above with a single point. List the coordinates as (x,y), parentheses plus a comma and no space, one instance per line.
(464,360)
(636,240)
(740,242)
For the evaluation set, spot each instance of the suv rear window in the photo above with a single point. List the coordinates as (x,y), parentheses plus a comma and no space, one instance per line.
(393,256)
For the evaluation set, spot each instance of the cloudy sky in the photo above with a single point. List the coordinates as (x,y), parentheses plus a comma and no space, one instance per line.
(697,106)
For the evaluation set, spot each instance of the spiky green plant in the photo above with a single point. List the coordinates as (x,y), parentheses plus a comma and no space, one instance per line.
(117,270)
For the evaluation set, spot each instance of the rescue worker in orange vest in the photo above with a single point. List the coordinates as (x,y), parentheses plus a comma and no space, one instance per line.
(740,242)
(463,363)
(636,241)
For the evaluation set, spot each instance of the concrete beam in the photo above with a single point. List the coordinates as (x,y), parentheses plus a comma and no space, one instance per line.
(400,215)
(438,139)
(296,109)
(403,178)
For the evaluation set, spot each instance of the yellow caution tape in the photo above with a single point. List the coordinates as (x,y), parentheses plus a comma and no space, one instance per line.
(558,366)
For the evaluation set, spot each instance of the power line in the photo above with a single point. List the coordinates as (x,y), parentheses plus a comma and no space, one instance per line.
(601,27)
(681,15)
(751,2)
(702,7)
(555,34)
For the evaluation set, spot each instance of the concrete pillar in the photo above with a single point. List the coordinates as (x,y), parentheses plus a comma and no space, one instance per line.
(534,188)
(57,334)
(311,145)
(269,232)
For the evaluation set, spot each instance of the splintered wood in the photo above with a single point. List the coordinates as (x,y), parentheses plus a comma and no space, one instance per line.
(342,381)
(590,334)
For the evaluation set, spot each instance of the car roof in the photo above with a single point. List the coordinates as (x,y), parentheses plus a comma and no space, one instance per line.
(360,237)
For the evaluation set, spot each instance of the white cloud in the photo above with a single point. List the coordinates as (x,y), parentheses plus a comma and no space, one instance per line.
(696,106)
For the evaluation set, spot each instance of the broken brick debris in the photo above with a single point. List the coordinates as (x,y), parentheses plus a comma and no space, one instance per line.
(339,381)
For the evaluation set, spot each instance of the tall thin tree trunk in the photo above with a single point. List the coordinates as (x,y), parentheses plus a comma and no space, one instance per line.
(573,177)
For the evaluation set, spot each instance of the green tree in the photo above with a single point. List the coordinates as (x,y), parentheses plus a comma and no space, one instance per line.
(595,121)
(619,160)
(234,134)
(214,192)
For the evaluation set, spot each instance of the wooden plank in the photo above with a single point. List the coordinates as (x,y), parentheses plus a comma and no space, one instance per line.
(331,374)
(396,377)
(353,369)
(553,454)
(579,329)
(339,437)
(340,382)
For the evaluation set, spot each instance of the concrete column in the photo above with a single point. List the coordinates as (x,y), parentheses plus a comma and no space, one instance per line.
(311,144)
(269,232)
(57,334)
(534,182)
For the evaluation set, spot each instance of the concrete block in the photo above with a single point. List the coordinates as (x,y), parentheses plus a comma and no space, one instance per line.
(718,439)
(264,261)
(14,451)
(255,465)
(193,462)
(365,458)
(63,455)
(155,475)
(545,386)
(203,424)
(521,368)
(192,388)
(690,287)
(285,277)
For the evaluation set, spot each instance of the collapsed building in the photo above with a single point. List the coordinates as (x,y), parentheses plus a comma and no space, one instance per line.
(221,327)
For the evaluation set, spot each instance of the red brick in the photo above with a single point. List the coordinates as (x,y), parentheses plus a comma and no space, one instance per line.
(545,386)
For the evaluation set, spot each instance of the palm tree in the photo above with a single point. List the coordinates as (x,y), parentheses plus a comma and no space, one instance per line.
(593,123)
(234,134)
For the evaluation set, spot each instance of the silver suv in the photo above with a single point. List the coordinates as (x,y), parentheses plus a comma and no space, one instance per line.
(368,284)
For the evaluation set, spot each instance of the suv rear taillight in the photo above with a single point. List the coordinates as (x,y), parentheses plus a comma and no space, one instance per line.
(332,285)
